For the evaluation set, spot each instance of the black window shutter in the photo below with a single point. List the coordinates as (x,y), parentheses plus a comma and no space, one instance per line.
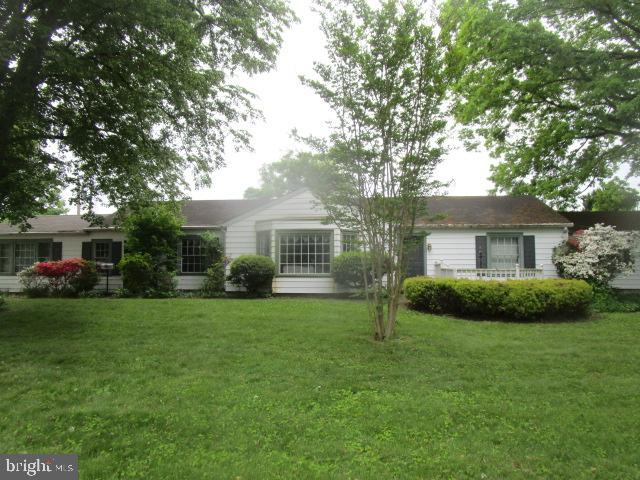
(87,251)
(56,251)
(481,251)
(116,255)
(44,251)
(529,253)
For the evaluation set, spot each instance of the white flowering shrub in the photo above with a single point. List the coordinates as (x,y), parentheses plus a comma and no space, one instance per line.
(597,254)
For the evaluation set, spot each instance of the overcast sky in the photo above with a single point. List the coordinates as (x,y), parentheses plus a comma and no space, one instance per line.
(287,104)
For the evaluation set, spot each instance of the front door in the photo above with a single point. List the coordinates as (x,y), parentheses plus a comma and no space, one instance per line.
(415,255)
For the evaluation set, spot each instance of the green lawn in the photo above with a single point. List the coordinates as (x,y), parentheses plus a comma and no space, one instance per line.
(294,388)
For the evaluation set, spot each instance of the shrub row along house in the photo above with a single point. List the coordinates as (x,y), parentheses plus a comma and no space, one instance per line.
(463,237)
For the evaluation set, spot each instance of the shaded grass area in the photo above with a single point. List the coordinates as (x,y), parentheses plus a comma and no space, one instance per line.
(295,388)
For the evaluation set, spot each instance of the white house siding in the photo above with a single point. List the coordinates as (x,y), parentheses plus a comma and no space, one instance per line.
(631,281)
(297,212)
(71,248)
(456,247)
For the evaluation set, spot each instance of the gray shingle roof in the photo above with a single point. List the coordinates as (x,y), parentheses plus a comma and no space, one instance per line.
(54,224)
(198,213)
(455,211)
(217,212)
(490,211)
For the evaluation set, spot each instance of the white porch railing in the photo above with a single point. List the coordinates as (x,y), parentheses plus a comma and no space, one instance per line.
(515,273)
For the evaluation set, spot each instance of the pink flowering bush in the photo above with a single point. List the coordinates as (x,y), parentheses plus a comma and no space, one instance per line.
(597,255)
(63,277)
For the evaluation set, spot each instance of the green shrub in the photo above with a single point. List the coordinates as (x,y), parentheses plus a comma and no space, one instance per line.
(137,273)
(212,248)
(155,230)
(86,278)
(213,284)
(253,272)
(513,300)
(348,269)
(3,302)
(609,301)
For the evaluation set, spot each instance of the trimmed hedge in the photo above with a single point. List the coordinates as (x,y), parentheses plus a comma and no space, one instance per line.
(253,272)
(511,300)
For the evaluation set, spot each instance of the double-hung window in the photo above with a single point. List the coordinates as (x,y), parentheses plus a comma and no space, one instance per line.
(16,255)
(505,251)
(5,258)
(193,255)
(102,251)
(263,243)
(25,255)
(304,253)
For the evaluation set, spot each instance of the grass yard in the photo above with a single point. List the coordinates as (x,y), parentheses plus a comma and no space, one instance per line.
(294,388)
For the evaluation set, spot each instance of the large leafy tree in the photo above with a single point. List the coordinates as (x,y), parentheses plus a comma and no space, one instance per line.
(383,80)
(551,86)
(55,204)
(119,98)
(613,196)
(291,172)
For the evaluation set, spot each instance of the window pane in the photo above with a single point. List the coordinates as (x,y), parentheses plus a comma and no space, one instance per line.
(505,251)
(25,254)
(5,260)
(103,252)
(193,256)
(304,254)
(263,243)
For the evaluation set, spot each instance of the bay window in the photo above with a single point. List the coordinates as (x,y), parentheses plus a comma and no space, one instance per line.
(305,253)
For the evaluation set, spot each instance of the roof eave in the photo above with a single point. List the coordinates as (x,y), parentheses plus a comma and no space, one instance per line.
(201,227)
(494,225)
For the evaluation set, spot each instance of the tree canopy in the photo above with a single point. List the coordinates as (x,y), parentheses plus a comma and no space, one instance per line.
(613,196)
(552,87)
(383,80)
(291,172)
(121,99)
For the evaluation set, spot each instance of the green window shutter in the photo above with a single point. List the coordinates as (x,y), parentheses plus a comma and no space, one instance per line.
(87,250)
(529,251)
(481,251)
(56,251)
(116,255)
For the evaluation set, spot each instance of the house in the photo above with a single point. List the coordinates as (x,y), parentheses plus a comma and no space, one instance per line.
(469,237)
(623,221)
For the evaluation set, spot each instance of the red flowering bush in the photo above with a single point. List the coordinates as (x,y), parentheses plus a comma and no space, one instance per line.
(64,277)
(61,268)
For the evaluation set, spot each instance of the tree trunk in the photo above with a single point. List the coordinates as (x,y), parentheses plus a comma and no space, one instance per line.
(21,97)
